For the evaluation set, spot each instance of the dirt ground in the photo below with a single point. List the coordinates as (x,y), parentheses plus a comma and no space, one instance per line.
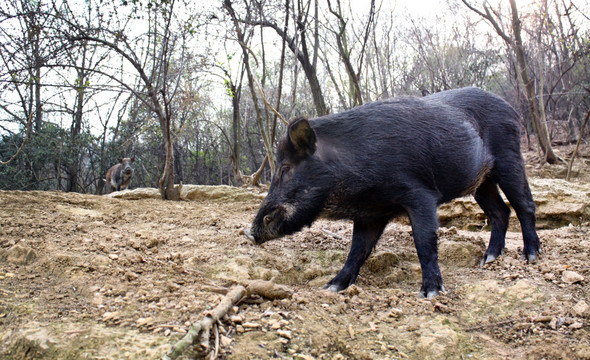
(99,277)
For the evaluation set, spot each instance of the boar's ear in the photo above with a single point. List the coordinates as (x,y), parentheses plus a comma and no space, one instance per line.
(121,160)
(302,136)
(133,159)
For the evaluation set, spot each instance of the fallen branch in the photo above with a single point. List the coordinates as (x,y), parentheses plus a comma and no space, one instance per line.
(201,331)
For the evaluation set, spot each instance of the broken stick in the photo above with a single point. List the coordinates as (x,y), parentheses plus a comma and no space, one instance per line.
(200,331)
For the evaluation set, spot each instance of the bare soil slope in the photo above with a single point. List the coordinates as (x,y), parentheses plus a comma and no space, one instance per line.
(98,277)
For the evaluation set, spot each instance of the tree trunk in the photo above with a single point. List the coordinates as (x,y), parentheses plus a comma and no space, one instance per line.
(236,143)
(76,129)
(166,183)
(302,54)
(539,125)
(251,83)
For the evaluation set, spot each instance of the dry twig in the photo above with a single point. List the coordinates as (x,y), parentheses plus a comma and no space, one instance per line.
(201,331)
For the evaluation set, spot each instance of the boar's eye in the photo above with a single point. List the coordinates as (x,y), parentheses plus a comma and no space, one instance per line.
(284,170)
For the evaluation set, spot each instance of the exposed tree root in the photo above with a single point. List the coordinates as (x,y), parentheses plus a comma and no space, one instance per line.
(200,332)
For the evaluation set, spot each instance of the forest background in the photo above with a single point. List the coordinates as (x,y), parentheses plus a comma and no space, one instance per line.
(193,90)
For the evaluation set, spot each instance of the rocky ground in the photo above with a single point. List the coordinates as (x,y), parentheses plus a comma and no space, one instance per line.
(99,277)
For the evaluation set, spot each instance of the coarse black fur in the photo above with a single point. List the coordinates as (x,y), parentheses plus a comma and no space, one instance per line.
(401,155)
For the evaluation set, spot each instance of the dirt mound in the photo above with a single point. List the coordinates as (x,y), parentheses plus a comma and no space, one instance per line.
(195,192)
(123,276)
(559,203)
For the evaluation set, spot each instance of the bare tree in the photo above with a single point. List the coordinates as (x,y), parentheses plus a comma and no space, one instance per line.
(304,44)
(344,48)
(159,84)
(539,124)
(24,51)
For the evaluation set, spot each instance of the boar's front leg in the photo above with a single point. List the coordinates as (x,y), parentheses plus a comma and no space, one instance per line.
(365,234)
(424,222)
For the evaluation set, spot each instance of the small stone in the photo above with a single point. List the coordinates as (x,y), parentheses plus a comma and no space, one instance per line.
(236,319)
(521,326)
(352,290)
(274,324)
(543,319)
(113,256)
(225,341)
(549,276)
(239,329)
(285,334)
(351,331)
(111,315)
(131,276)
(141,322)
(20,255)
(576,325)
(395,313)
(580,309)
(571,277)
(251,325)
(179,330)
(303,357)
(172,286)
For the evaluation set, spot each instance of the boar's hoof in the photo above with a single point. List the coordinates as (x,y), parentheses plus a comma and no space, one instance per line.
(432,293)
(530,258)
(487,258)
(333,288)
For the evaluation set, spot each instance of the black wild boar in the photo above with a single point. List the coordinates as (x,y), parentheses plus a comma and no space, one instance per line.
(402,155)
(119,176)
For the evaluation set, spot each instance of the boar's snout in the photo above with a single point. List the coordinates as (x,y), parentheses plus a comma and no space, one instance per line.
(266,226)
(249,235)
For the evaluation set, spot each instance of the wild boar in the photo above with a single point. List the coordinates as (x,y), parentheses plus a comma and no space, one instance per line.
(403,155)
(119,176)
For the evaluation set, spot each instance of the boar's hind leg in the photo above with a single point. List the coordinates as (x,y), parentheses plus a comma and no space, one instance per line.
(517,191)
(424,226)
(488,198)
(365,234)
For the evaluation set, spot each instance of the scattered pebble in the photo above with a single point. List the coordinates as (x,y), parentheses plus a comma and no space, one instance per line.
(236,319)
(571,277)
(395,313)
(251,325)
(284,333)
(225,341)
